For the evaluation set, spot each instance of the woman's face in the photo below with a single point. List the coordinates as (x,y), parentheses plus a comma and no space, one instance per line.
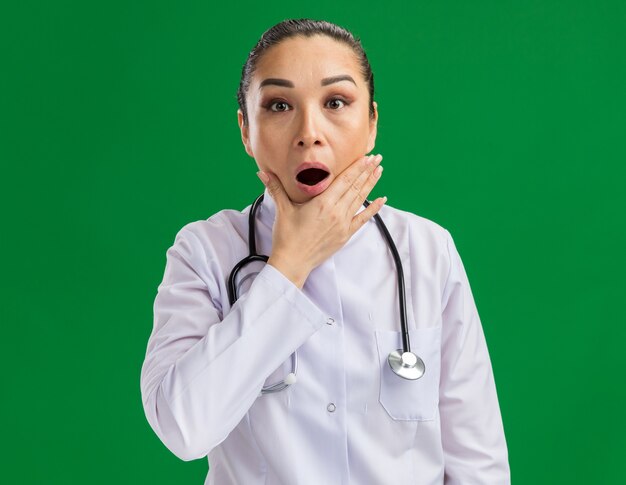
(308,114)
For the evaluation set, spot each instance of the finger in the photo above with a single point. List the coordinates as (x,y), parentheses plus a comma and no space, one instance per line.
(275,188)
(365,187)
(347,178)
(353,193)
(362,186)
(365,215)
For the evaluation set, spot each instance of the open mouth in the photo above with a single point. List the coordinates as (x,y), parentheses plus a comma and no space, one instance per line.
(312,176)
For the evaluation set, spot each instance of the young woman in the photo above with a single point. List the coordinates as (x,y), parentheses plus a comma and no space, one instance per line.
(308,377)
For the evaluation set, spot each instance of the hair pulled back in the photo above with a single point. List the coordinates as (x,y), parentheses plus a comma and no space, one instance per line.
(304,28)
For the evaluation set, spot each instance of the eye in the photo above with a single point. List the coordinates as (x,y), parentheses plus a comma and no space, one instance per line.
(335,100)
(277,103)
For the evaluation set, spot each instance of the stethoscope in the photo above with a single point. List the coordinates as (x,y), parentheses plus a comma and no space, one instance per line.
(403,362)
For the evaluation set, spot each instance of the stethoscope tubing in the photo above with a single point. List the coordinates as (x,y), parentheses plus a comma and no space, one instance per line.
(396,359)
(406,346)
(252,254)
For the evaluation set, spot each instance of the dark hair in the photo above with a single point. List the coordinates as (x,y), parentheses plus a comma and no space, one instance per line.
(304,28)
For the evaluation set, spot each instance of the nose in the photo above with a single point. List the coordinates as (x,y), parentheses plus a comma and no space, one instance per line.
(310,127)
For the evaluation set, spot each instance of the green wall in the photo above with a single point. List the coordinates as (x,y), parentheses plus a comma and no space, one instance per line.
(502,121)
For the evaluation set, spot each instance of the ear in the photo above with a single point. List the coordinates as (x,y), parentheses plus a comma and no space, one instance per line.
(371,141)
(245,133)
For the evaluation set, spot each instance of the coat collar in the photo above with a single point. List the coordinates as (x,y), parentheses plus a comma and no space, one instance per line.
(267,211)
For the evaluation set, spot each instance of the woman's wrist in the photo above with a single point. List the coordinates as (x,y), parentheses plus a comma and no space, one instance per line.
(295,273)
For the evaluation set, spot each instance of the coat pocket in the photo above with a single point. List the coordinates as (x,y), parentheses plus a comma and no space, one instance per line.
(410,400)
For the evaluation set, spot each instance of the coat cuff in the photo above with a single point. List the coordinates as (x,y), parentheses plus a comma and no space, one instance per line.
(285,288)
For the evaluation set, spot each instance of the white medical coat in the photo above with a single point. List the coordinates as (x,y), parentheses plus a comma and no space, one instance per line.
(348,419)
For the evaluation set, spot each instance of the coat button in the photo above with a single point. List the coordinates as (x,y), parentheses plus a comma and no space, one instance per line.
(330,321)
(331,408)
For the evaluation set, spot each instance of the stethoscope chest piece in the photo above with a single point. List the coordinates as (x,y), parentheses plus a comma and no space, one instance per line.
(406,364)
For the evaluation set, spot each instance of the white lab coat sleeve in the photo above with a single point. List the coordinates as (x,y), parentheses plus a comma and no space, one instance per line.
(201,375)
(473,439)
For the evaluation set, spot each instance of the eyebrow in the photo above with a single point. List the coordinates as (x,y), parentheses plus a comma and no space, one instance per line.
(288,84)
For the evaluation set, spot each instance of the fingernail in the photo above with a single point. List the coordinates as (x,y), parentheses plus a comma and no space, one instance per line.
(384,199)
(378,171)
(263,176)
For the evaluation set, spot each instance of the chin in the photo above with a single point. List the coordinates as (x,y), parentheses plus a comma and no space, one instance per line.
(299,200)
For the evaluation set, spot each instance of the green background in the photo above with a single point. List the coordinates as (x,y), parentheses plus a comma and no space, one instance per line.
(502,121)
